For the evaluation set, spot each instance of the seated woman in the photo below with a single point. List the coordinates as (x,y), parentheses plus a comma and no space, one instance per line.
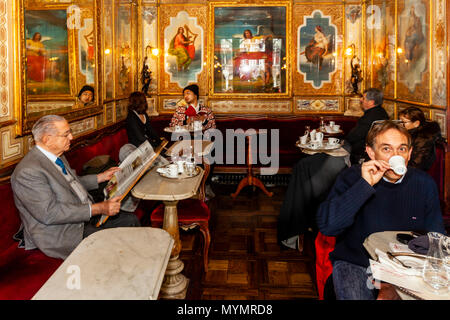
(424,135)
(86,96)
(138,123)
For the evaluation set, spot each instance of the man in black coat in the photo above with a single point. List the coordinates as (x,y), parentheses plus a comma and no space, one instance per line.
(355,141)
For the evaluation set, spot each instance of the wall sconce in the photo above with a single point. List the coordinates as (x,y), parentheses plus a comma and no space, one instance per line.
(355,64)
(150,50)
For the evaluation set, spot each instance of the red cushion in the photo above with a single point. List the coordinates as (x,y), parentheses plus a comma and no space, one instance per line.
(188,210)
(324,245)
(24,272)
(109,145)
(9,218)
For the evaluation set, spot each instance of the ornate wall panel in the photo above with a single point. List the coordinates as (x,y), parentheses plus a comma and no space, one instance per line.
(4,62)
(148,47)
(413,67)
(168,104)
(83,126)
(174,73)
(439,58)
(11,149)
(317,72)
(353,36)
(251,106)
(389,106)
(121,109)
(440,117)
(318,104)
(381,43)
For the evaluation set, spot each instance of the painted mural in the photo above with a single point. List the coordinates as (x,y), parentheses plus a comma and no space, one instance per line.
(413,39)
(183,45)
(250,49)
(47,52)
(317,49)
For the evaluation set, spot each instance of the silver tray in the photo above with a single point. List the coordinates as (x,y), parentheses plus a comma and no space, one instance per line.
(179,175)
(324,147)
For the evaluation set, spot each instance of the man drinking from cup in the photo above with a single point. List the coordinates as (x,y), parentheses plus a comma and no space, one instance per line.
(371,198)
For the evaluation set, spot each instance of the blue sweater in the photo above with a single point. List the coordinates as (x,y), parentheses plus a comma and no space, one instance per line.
(354,210)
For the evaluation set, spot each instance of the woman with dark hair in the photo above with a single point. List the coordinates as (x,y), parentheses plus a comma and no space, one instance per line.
(138,122)
(424,135)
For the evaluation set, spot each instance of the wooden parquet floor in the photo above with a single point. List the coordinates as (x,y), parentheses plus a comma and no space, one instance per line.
(245,261)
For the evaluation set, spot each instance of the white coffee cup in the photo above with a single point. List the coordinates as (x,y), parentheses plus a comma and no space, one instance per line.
(319,137)
(314,145)
(335,127)
(313,135)
(180,165)
(333,141)
(398,165)
(172,170)
(331,124)
(303,139)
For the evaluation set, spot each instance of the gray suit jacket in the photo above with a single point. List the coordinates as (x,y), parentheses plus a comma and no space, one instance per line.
(52,214)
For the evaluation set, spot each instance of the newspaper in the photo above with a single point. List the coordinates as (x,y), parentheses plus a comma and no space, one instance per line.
(132,168)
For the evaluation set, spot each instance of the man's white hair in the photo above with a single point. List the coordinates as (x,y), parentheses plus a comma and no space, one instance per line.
(45,125)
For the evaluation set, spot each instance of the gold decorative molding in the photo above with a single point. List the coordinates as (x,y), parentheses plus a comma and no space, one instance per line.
(318,105)
(249,106)
(4,63)
(11,148)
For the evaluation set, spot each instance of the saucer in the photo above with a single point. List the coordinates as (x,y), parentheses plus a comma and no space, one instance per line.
(163,172)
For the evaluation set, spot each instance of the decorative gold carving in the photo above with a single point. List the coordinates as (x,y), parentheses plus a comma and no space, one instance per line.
(83,126)
(246,106)
(318,104)
(4,74)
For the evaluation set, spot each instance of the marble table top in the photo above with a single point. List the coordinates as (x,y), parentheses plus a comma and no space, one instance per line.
(155,187)
(112,264)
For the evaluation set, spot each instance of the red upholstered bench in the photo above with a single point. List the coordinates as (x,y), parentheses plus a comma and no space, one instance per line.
(23,272)
(290,128)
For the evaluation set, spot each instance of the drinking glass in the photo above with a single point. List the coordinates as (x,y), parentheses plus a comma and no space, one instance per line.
(434,272)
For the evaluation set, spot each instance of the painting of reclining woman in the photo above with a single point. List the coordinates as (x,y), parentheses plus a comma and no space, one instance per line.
(317,49)
(46,45)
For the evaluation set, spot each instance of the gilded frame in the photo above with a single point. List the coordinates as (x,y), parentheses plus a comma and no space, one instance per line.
(30,107)
(263,82)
